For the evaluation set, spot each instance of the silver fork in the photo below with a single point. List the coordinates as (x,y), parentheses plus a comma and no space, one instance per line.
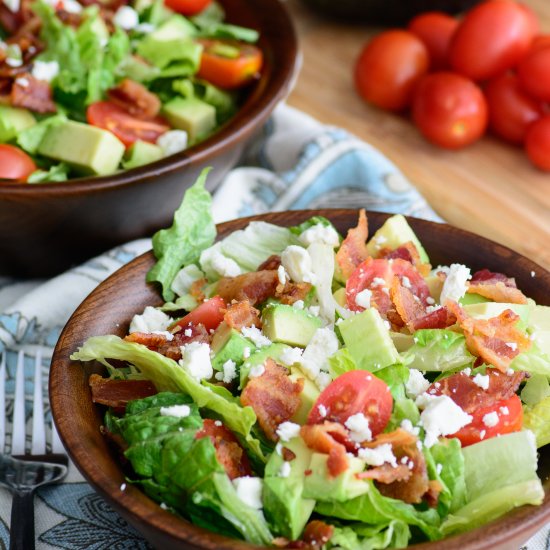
(21,472)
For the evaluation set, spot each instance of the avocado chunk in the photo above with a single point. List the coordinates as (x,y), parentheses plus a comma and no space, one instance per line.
(308,397)
(471,298)
(12,121)
(191,114)
(539,326)
(176,26)
(368,340)
(286,324)
(228,344)
(340,297)
(394,232)
(140,153)
(89,150)
(487,310)
(259,357)
(402,342)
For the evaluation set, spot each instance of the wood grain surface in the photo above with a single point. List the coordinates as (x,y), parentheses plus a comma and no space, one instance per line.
(489,188)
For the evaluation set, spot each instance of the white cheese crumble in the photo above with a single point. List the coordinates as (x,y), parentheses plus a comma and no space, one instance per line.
(249,490)
(196,360)
(533,273)
(481,380)
(45,70)
(323,379)
(378,456)
(229,372)
(358,426)
(430,301)
(439,468)
(185,278)
(173,141)
(246,353)
(22,81)
(178,411)
(218,423)
(281,274)
(297,263)
(431,309)
(407,425)
(144,28)
(321,346)
(126,18)
(188,332)
(287,430)
(378,281)
(12,5)
(455,286)
(490,419)
(325,234)
(362,299)
(416,384)
(322,411)
(504,410)
(72,6)
(152,319)
(406,282)
(256,371)
(512,345)
(123,487)
(284,471)
(290,356)
(168,335)
(298,304)
(255,335)
(314,310)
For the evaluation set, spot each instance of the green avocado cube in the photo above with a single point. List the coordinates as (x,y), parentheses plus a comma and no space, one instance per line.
(308,396)
(12,121)
(196,117)
(228,344)
(288,325)
(140,153)
(89,150)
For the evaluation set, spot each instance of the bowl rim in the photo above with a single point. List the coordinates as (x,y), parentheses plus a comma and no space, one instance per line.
(256,108)
(140,510)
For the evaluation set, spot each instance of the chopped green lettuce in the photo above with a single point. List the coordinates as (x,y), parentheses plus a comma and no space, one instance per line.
(311,222)
(30,138)
(360,536)
(533,361)
(535,390)
(56,172)
(537,419)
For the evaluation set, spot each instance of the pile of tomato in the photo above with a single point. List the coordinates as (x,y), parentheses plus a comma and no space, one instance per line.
(459,77)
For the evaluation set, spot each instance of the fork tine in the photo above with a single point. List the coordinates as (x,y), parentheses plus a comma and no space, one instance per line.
(3,402)
(38,444)
(18,422)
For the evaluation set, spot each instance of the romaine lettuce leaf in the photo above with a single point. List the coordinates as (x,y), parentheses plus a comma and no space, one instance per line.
(533,361)
(360,536)
(314,220)
(56,172)
(537,419)
(30,138)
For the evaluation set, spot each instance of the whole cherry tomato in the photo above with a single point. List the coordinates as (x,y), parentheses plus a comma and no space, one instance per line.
(537,143)
(435,29)
(449,110)
(187,7)
(389,67)
(492,38)
(534,72)
(15,164)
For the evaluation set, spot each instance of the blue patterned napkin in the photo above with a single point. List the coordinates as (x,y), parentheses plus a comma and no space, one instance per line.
(295,162)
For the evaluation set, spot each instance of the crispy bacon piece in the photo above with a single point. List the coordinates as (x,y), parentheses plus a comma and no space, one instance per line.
(152,341)
(497,340)
(197,290)
(353,249)
(498,292)
(322,438)
(432,494)
(271,264)
(242,314)
(273,396)
(135,98)
(256,287)
(290,292)
(32,94)
(490,277)
(117,393)
(408,252)
(387,473)
(316,534)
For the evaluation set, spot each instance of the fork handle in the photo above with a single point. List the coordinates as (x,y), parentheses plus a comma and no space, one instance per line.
(22,521)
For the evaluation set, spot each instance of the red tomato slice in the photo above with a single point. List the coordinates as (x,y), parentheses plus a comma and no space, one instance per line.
(15,164)
(226,71)
(124,126)
(187,7)
(356,391)
(209,314)
(377,276)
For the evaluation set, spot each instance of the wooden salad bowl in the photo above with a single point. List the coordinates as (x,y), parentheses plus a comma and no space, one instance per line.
(50,227)
(109,309)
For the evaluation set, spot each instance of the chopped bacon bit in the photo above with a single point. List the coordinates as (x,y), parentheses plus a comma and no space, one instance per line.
(288,455)
(271,264)
(308,472)
(317,533)
(320,438)
(197,290)
(135,98)
(432,494)
(36,95)
(439,318)
(407,252)
(386,473)
(242,314)
(490,277)
(498,292)
(117,393)
(497,340)
(274,397)
(290,292)
(353,249)
(256,287)
(152,341)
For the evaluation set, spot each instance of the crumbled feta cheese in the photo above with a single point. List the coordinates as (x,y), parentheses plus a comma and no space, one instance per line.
(126,18)
(188,332)
(481,380)
(322,411)
(289,356)
(321,346)
(281,274)
(256,371)
(504,410)
(144,28)
(430,301)
(164,506)
(178,411)
(406,282)
(431,309)
(213,259)
(439,468)
(482,434)
(173,141)
(407,425)
(325,234)
(12,5)
(288,430)
(314,310)
(512,345)
(255,335)
(229,372)
(168,335)
(196,360)
(441,416)
(323,379)
(249,490)
(455,286)
(358,426)
(297,263)
(123,487)
(467,371)
(378,456)
(246,353)
(298,304)
(490,419)
(71,6)
(378,281)
(218,423)
(509,372)
(185,278)
(279,449)
(284,471)
(45,70)
(533,273)
(416,384)
(152,319)
(362,299)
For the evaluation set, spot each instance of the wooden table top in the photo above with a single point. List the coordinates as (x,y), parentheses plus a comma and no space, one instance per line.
(489,188)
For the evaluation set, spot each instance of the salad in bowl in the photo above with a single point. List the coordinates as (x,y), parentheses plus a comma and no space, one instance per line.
(302,388)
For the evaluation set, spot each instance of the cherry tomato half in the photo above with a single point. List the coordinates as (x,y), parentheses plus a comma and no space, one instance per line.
(210,314)
(449,110)
(354,392)
(187,7)
(124,126)
(15,164)
(537,143)
(229,64)
(534,72)
(436,30)
(492,38)
(389,67)
(511,110)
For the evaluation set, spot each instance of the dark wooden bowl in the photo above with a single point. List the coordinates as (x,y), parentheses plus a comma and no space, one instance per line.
(48,228)
(109,309)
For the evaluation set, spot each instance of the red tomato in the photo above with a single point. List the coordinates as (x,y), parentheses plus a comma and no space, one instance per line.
(537,143)
(478,431)
(210,314)
(124,126)
(534,72)
(187,7)
(541,41)
(226,71)
(15,164)
(356,391)
(492,38)
(449,110)
(389,67)
(511,110)
(435,29)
